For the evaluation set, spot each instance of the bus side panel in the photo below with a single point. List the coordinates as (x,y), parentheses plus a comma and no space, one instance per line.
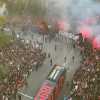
(57,90)
(53,94)
(50,97)
(60,83)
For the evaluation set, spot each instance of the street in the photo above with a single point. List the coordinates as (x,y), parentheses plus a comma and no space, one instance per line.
(64,48)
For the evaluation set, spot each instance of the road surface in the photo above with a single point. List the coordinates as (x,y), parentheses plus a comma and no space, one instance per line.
(63,48)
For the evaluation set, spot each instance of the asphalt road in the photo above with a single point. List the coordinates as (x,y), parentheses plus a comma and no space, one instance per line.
(63,48)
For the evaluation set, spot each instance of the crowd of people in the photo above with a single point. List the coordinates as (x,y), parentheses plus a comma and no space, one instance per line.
(21,59)
(86,80)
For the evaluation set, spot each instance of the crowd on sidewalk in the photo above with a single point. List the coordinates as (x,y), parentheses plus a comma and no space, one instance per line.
(21,59)
(86,80)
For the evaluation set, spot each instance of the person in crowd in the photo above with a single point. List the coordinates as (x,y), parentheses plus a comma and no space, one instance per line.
(73,58)
(49,55)
(51,62)
(65,59)
(74,45)
(19,97)
(55,47)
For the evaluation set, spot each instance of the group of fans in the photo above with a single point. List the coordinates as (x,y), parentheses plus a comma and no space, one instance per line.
(18,59)
(86,80)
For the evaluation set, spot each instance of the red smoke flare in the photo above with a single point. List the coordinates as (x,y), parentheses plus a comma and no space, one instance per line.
(86,32)
(62,25)
(96,43)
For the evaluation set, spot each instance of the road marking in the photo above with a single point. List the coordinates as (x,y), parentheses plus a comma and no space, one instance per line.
(25,95)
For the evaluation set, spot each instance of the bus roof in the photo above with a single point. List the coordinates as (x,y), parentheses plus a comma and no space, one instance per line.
(55,73)
(45,90)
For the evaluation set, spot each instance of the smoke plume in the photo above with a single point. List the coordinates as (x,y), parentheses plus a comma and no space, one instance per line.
(78,14)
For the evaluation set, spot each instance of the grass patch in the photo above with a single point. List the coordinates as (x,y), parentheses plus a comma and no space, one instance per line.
(5,39)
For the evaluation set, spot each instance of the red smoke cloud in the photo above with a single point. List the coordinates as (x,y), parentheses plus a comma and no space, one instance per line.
(96,43)
(62,25)
(86,32)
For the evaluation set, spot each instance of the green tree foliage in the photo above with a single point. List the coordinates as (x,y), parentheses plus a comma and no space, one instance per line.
(4,39)
(25,7)
(2,20)
(4,1)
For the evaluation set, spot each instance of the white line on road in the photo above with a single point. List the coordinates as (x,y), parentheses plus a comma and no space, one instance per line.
(25,95)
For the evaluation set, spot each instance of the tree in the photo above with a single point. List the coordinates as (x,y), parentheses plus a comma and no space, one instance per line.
(2,20)
(25,7)
(4,39)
